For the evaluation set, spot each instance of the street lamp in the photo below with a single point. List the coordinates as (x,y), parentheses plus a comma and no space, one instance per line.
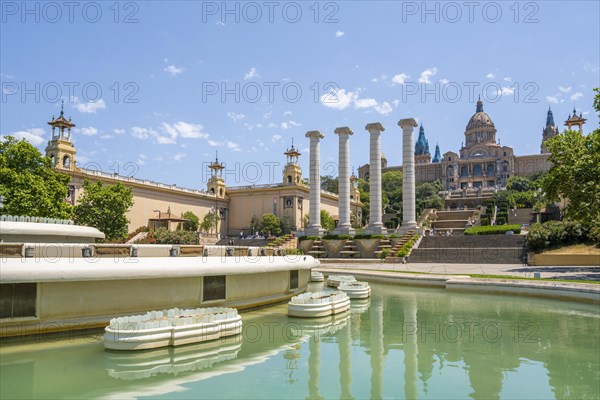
(158,211)
(1,202)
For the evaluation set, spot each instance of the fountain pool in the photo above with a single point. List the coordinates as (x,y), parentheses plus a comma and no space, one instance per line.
(401,343)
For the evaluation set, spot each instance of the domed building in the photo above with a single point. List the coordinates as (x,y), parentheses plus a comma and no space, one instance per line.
(482,162)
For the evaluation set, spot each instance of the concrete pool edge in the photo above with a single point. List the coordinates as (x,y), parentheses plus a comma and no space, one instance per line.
(580,292)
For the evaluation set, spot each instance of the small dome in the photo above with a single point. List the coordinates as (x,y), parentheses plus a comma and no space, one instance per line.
(480,118)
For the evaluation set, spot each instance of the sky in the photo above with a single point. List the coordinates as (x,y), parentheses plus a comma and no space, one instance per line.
(157,88)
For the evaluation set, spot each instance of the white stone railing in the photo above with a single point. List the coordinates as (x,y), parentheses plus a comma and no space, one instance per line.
(39,220)
(146,182)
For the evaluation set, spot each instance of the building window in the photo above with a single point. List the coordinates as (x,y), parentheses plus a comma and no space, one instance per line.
(477,170)
(66,161)
(464,171)
(289,179)
(294,279)
(504,154)
(490,169)
(18,300)
(213,288)
(491,183)
(449,158)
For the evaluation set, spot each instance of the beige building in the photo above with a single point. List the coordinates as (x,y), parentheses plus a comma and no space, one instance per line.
(157,204)
(481,161)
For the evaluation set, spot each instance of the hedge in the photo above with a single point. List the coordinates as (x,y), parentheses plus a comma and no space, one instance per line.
(406,247)
(301,238)
(492,230)
(337,237)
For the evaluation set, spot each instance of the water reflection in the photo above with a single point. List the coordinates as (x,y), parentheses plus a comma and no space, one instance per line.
(402,343)
(133,365)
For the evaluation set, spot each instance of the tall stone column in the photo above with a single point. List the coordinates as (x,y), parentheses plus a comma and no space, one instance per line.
(344,225)
(375,215)
(409,220)
(315,227)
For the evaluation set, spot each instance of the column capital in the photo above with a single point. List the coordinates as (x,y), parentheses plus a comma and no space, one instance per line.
(375,126)
(314,134)
(343,130)
(407,122)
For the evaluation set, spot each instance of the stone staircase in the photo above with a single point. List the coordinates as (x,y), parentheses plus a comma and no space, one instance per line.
(384,244)
(391,258)
(484,249)
(350,250)
(521,216)
(455,220)
(318,250)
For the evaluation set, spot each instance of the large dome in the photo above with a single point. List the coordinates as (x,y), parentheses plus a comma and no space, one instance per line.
(480,119)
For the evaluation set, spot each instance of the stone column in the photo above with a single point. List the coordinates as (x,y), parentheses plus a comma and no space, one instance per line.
(315,227)
(409,220)
(377,347)
(375,215)
(344,225)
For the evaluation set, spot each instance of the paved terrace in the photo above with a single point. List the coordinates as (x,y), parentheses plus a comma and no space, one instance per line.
(517,270)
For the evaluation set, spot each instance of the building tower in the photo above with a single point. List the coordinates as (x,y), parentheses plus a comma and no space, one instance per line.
(422,155)
(292,173)
(549,131)
(216,184)
(575,120)
(437,156)
(60,149)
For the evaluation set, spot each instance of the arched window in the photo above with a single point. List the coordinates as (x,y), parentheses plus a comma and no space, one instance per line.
(212,190)
(490,169)
(53,160)
(66,162)
(449,171)
(289,179)
(464,171)
(221,192)
(477,170)
(504,166)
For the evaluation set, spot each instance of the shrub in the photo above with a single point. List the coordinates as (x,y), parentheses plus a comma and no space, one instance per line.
(289,252)
(406,247)
(555,233)
(164,236)
(393,236)
(337,237)
(500,220)
(484,221)
(492,230)
(384,254)
(301,238)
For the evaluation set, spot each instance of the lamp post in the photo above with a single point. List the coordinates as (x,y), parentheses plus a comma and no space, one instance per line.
(158,211)
(1,202)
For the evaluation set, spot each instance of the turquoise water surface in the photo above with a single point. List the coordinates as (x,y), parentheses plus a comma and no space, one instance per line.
(402,343)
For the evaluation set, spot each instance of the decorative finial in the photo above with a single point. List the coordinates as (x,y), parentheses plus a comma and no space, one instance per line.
(217,156)
(479,105)
(62,106)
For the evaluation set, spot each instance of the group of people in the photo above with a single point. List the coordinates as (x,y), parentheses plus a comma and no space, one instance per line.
(447,232)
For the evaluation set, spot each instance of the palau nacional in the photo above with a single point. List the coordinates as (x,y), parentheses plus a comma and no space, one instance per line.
(481,163)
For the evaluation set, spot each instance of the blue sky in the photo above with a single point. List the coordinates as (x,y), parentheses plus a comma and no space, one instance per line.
(181,80)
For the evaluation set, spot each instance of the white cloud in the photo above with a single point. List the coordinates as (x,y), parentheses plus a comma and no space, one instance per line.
(253,73)
(289,124)
(184,130)
(173,70)
(384,109)
(87,131)
(233,146)
(107,136)
(214,143)
(119,131)
(427,74)
(275,138)
(178,156)
(564,89)
(396,103)
(339,100)
(339,34)
(91,107)
(287,113)
(268,115)
(400,78)
(444,81)
(575,96)
(507,79)
(235,117)
(141,133)
(552,99)
(507,91)
(35,136)
(364,103)
(490,76)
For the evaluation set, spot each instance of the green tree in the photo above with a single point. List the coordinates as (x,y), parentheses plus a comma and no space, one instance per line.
(327,221)
(575,174)
(391,196)
(286,224)
(29,184)
(192,223)
(104,207)
(254,224)
(520,184)
(271,223)
(330,184)
(209,222)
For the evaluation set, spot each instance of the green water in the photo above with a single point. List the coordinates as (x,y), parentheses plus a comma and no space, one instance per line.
(465,346)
